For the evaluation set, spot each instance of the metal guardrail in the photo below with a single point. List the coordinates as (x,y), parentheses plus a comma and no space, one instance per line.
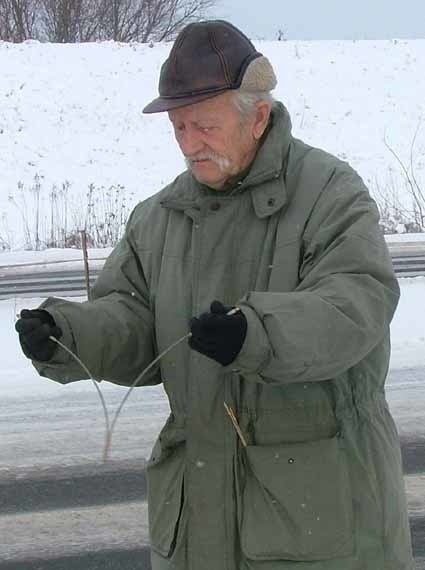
(409,265)
(54,283)
(71,283)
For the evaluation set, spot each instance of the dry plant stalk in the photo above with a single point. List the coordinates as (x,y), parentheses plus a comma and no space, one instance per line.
(86,262)
(235,423)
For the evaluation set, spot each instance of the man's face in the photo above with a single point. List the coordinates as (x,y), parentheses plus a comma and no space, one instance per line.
(215,142)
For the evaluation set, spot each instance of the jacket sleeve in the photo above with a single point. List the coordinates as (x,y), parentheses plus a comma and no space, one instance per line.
(113,334)
(343,304)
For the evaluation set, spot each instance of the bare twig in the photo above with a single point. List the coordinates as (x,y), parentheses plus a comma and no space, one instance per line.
(86,262)
(412,166)
(413,186)
(235,423)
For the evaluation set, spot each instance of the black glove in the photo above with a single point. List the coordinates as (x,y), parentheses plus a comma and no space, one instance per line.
(34,328)
(218,335)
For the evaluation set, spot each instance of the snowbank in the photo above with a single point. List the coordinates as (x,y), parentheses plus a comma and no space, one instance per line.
(17,377)
(73,112)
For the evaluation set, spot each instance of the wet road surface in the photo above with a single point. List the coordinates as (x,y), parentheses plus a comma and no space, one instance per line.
(62,509)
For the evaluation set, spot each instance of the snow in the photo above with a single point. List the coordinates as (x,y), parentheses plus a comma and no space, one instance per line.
(39,415)
(408,328)
(17,376)
(15,259)
(49,260)
(405,238)
(73,112)
(15,262)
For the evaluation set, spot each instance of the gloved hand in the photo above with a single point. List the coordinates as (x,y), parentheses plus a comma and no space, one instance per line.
(218,335)
(34,328)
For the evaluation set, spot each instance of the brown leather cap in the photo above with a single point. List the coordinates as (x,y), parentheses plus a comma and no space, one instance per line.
(206,59)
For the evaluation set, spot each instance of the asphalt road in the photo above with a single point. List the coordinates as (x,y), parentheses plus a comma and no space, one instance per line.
(62,509)
(87,487)
(80,492)
(137,559)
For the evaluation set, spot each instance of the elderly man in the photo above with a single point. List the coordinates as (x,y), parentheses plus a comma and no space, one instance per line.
(280,451)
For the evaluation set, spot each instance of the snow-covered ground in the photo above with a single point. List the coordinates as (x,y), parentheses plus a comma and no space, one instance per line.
(49,259)
(46,424)
(17,262)
(408,326)
(73,112)
(16,259)
(17,377)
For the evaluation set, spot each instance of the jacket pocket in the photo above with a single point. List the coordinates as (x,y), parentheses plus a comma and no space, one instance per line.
(296,502)
(165,496)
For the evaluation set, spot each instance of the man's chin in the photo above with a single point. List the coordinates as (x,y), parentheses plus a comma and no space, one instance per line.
(210,181)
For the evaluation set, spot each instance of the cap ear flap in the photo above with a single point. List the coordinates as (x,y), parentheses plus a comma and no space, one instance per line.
(259,76)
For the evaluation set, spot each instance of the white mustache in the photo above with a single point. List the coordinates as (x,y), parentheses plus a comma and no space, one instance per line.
(222,162)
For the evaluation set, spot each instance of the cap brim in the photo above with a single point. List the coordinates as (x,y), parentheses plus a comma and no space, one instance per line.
(162,104)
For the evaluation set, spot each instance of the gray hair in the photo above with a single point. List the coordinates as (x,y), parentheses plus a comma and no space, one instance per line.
(245,101)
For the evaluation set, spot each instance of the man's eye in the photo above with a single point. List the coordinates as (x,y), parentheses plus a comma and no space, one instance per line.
(179,128)
(206,129)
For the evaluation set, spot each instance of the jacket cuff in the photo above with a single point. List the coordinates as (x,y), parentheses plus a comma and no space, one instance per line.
(256,349)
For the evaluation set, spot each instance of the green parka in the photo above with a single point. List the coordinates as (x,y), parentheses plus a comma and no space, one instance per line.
(297,246)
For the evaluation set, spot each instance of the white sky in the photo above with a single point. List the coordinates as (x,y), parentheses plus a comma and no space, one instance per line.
(326,19)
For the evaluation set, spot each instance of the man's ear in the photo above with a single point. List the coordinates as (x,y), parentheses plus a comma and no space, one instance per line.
(262,115)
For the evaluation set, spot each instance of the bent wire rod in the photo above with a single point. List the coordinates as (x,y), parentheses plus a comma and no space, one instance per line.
(109,427)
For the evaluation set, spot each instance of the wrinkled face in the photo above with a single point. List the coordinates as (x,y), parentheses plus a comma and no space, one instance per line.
(215,142)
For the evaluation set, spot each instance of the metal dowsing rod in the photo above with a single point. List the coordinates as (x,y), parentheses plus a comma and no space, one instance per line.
(110,426)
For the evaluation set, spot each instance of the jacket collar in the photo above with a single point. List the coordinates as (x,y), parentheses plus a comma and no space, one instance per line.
(265,179)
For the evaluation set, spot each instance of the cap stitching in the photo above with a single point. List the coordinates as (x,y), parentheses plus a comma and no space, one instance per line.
(177,46)
(221,57)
